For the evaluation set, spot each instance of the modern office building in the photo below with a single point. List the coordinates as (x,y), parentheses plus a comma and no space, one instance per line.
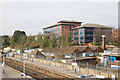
(91,32)
(116,35)
(62,28)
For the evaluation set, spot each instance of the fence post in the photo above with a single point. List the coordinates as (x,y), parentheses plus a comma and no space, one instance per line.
(108,71)
(60,63)
(72,67)
(66,63)
(45,61)
(96,69)
(42,60)
(79,67)
(87,68)
(55,63)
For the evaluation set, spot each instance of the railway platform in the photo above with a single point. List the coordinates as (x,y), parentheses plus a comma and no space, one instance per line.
(9,73)
(56,68)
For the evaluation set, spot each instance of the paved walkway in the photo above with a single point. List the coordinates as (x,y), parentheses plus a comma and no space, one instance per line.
(9,73)
(56,68)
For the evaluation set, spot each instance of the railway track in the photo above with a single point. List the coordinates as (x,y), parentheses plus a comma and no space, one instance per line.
(33,73)
(37,72)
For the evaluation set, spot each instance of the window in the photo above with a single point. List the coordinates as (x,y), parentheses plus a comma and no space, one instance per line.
(96,53)
(75,38)
(91,54)
(73,55)
(67,54)
(75,33)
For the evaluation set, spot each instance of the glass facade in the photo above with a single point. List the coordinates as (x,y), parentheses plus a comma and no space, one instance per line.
(54,30)
(81,35)
(76,37)
(88,35)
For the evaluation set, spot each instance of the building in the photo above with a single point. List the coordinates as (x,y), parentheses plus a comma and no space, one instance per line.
(62,28)
(112,57)
(91,32)
(72,51)
(36,54)
(116,37)
(7,49)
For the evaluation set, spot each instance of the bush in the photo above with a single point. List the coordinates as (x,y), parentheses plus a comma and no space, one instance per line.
(58,46)
(71,44)
(91,43)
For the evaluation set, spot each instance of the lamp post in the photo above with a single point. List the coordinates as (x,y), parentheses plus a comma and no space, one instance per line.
(75,63)
(21,53)
(110,52)
(3,64)
(93,41)
(24,68)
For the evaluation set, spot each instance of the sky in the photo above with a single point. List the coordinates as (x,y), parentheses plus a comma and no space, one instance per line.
(32,17)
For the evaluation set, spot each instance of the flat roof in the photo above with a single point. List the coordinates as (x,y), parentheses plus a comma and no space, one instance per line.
(70,21)
(92,26)
(58,25)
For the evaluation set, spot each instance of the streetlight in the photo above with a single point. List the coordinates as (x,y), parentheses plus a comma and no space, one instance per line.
(24,67)
(3,64)
(21,53)
(75,63)
(93,41)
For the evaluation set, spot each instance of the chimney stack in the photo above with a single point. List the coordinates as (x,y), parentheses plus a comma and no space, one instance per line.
(103,42)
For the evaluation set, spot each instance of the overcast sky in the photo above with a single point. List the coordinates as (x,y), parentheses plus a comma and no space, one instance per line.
(33,16)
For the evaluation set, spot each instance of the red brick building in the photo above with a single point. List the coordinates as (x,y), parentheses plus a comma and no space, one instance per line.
(62,28)
(116,35)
